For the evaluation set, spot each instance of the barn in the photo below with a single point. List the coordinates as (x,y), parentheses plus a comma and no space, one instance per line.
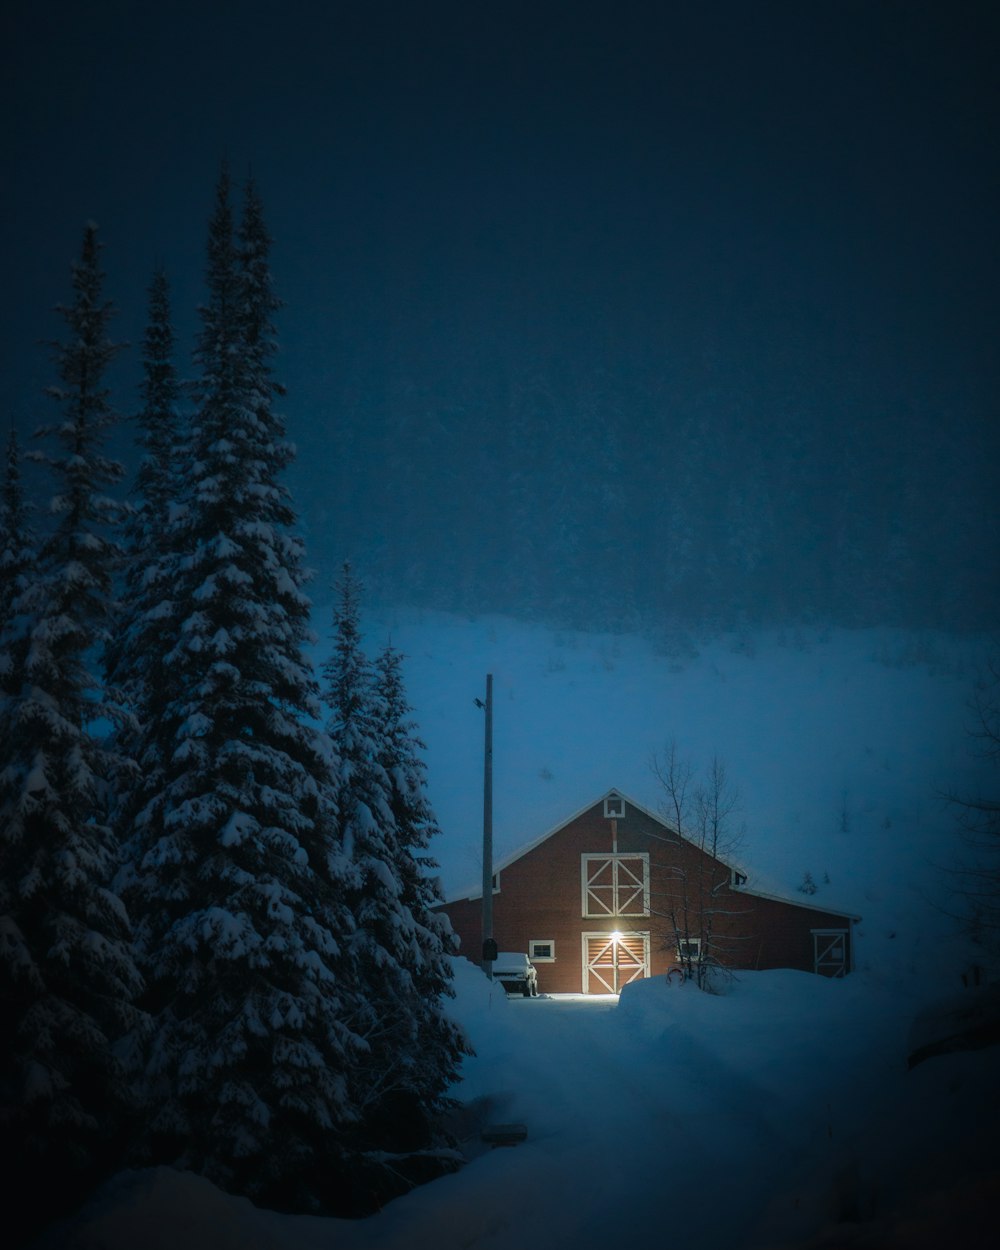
(613,894)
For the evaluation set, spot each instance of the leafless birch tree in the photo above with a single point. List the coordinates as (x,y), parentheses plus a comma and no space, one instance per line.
(703,918)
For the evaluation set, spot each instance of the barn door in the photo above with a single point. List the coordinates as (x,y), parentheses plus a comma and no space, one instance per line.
(611,961)
(615,885)
(830,952)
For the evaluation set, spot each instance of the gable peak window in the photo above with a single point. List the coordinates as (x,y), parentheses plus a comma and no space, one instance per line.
(614,807)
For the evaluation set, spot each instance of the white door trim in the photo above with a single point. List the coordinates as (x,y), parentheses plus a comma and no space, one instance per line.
(625,973)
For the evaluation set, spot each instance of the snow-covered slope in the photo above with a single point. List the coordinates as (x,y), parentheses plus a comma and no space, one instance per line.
(749,1121)
(780,1116)
(841,744)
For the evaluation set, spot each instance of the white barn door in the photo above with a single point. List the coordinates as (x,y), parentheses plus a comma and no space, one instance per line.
(613,960)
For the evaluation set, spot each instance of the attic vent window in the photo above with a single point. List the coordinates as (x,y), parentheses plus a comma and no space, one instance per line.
(738,879)
(614,807)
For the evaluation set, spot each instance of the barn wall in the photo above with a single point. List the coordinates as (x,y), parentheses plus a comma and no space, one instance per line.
(781,934)
(540,899)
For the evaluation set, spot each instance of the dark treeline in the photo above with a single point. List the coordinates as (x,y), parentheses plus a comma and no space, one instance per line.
(621,492)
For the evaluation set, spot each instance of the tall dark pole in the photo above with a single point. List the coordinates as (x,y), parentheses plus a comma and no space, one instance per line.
(488,831)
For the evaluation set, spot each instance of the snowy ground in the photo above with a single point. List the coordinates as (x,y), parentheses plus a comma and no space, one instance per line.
(749,1121)
(780,1111)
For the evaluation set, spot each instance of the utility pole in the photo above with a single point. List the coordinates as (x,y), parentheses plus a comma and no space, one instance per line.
(489,945)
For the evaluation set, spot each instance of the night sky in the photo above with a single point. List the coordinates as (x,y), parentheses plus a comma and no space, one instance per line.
(793,194)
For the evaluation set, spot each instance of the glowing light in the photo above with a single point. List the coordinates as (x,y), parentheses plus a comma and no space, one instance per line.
(616,935)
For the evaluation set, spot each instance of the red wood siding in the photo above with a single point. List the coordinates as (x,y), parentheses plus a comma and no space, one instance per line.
(540,898)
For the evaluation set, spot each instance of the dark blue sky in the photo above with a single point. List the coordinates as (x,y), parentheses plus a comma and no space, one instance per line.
(785,192)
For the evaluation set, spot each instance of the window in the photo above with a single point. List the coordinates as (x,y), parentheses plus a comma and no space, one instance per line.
(615,885)
(614,807)
(737,879)
(689,948)
(542,951)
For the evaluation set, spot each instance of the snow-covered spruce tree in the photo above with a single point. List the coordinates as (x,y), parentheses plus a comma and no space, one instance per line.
(158,481)
(238,909)
(17,552)
(68,983)
(399,954)
(134,655)
(427,932)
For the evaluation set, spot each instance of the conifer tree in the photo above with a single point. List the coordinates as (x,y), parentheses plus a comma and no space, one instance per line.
(133,657)
(238,907)
(68,983)
(398,945)
(428,929)
(16,542)
(159,479)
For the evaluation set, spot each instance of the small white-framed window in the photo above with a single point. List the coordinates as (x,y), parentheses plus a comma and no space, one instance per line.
(542,951)
(496,882)
(689,948)
(614,807)
(737,879)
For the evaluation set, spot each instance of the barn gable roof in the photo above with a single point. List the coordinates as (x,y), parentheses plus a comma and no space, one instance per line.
(755,885)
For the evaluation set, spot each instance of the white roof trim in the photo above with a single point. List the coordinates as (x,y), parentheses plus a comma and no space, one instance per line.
(655,816)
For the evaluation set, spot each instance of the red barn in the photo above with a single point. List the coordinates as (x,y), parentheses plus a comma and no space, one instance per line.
(613,894)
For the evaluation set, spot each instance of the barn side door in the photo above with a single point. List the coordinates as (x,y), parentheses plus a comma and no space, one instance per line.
(830,952)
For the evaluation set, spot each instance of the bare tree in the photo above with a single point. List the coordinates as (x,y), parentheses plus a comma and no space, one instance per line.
(702,916)
(978,872)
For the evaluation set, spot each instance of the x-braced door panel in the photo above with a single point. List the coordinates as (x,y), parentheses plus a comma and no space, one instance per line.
(615,885)
(613,960)
(830,952)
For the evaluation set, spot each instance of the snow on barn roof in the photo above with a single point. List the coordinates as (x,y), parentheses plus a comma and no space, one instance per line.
(754,883)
